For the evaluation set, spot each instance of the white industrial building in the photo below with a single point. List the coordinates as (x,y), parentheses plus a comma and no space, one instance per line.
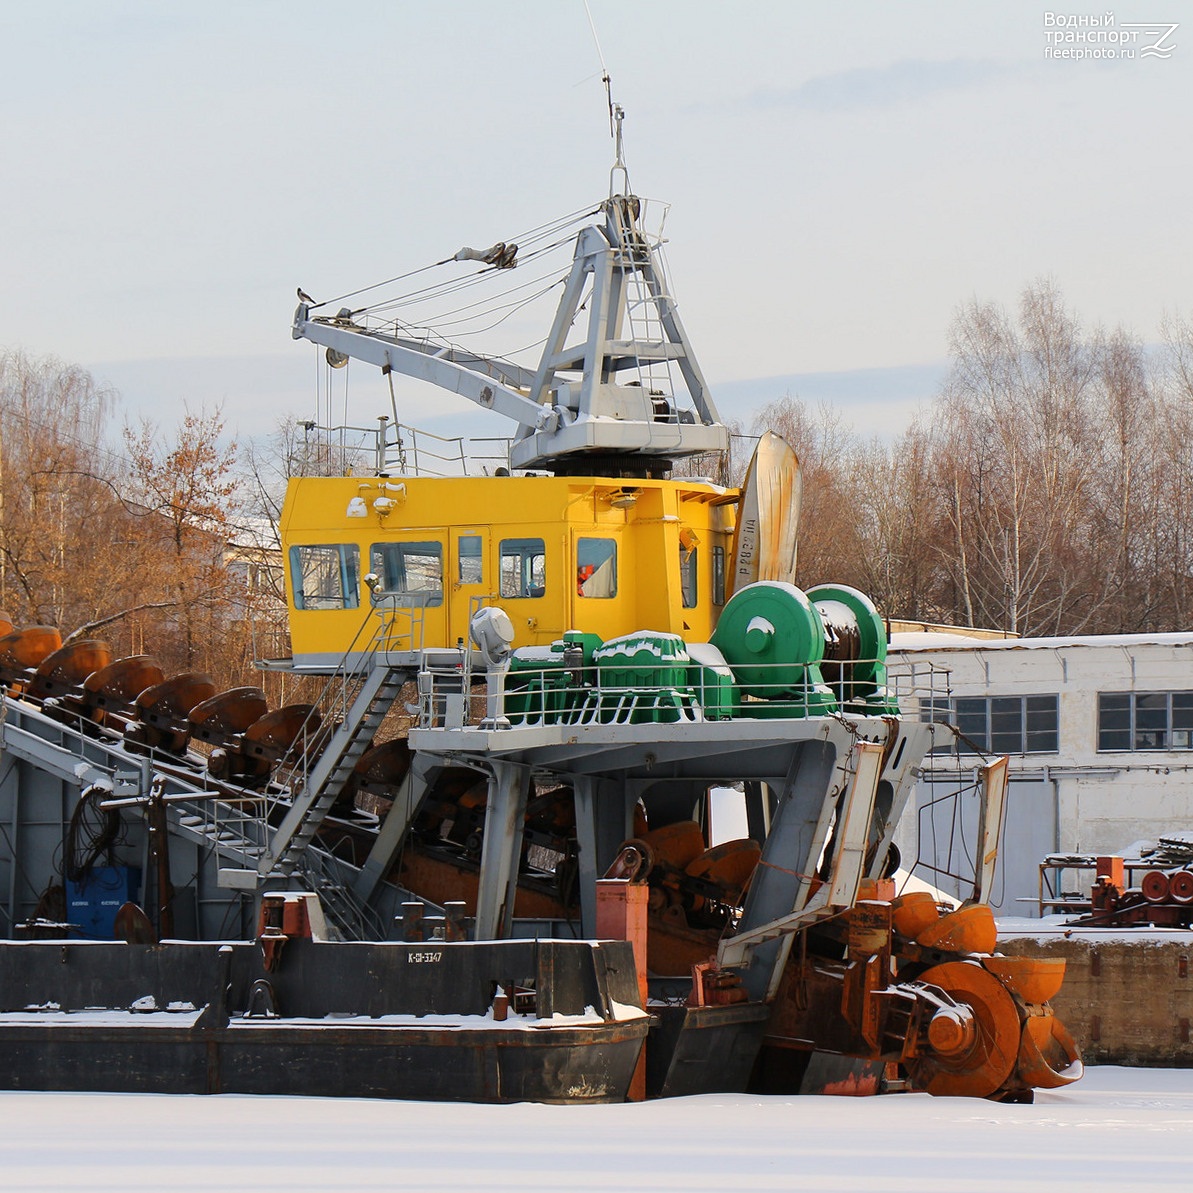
(1099,732)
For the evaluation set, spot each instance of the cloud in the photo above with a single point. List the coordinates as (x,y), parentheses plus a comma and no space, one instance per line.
(883,86)
(875,401)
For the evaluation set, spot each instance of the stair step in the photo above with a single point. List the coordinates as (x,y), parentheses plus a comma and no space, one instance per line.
(352,737)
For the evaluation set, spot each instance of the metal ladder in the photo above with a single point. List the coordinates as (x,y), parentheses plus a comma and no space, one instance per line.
(351,917)
(326,779)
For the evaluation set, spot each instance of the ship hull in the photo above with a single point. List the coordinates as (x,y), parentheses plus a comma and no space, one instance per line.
(332,1020)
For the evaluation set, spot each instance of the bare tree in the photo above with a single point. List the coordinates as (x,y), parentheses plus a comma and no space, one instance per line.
(725,468)
(1127,541)
(1014,437)
(189,493)
(58,492)
(1172,444)
(904,536)
(829,525)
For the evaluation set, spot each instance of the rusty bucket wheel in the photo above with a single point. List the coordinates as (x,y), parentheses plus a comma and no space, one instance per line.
(969,929)
(976,1065)
(728,867)
(676,845)
(162,712)
(271,736)
(1048,1054)
(913,913)
(382,767)
(1032,979)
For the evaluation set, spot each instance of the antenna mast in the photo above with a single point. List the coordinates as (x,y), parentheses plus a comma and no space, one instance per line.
(577,413)
(619,161)
(616,116)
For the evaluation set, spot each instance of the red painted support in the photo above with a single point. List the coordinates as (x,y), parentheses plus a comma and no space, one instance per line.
(621,915)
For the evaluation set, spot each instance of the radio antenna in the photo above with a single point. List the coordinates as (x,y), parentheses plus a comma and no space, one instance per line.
(616,113)
(604,69)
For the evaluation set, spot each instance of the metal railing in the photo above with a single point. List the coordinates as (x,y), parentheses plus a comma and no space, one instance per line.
(398,449)
(602,692)
(331,880)
(234,826)
(919,688)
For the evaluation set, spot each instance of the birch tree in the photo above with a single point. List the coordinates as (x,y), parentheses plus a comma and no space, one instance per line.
(1014,422)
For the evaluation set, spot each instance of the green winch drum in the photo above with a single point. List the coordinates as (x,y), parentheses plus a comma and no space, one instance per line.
(772,637)
(854,663)
(851,613)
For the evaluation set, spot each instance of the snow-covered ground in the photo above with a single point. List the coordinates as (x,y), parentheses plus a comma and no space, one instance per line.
(1117,1130)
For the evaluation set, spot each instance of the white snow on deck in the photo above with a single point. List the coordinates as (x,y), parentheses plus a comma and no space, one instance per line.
(99,1018)
(1115,1131)
(51,1016)
(486,1022)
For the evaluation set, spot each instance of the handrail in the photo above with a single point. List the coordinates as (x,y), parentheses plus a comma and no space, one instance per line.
(400,449)
(587,694)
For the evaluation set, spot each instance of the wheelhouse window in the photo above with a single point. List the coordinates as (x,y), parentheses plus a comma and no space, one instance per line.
(1145,721)
(469,562)
(413,571)
(999,724)
(718,575)
(687,576)
(325,576)
(596,567)
(523,567)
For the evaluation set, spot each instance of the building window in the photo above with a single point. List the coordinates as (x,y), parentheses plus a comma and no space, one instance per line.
(596,567)
(1145,721)
(412,571)
(325,576)
(523,567)
(999,724)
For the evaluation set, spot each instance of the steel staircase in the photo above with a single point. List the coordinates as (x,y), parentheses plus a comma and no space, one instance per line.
(325,781)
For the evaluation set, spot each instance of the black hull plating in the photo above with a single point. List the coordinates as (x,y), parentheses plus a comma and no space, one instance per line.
(385,1021)
(539,1065)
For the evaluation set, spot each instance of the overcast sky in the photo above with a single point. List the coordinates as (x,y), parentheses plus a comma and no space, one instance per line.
(842,177)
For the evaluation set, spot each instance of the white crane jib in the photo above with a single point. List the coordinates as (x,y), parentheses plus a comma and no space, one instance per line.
(573,412)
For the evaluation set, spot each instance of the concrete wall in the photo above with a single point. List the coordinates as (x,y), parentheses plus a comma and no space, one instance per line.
(1127,997)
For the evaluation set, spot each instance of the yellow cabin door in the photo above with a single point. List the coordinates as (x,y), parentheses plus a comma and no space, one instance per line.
(410,569)
(596,580)
(529,582)
(470,579)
